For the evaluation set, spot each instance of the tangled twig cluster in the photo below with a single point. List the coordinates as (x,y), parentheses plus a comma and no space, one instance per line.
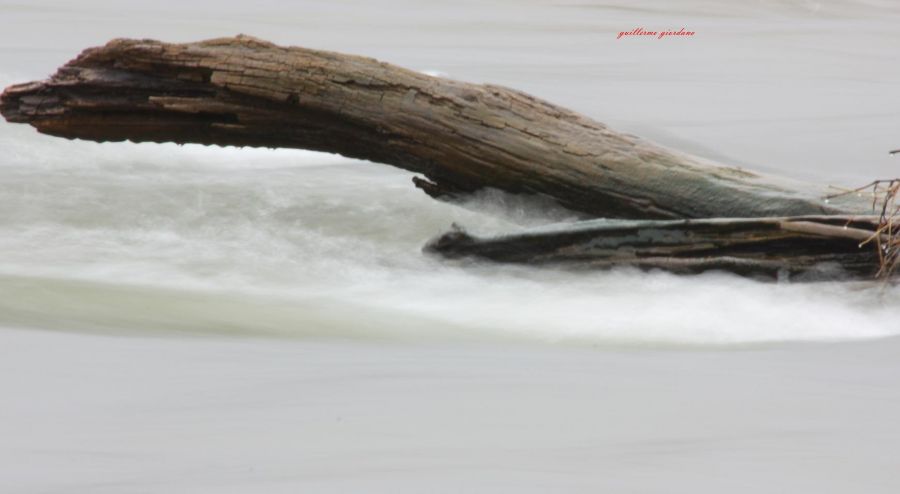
(886,237)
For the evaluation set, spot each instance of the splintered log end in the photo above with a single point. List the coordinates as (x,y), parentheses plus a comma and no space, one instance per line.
(19,102)
(451,244)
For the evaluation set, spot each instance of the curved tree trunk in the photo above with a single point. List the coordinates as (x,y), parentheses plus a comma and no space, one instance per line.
(246,92)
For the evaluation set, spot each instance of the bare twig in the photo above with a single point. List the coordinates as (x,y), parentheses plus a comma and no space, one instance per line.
(886,238)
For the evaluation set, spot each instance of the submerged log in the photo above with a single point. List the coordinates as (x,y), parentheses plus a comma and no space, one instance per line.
(808,247)
(462,137)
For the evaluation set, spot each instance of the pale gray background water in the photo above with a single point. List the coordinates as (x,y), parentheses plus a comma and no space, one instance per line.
(382,370)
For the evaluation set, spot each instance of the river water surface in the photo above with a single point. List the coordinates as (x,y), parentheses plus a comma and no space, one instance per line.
(192,319)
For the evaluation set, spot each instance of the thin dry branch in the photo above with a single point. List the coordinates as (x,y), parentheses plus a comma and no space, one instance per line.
(886,237)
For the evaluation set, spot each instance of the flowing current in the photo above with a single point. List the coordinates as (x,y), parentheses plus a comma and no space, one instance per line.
(122,237)
(200,319)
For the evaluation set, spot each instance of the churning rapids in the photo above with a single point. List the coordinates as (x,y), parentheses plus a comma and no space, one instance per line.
(192,319)
(123,237)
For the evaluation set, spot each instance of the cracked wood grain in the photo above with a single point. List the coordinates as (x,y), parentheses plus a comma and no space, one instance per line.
(807,248)
(243,91)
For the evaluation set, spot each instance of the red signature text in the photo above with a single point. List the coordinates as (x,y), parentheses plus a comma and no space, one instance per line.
(656,34)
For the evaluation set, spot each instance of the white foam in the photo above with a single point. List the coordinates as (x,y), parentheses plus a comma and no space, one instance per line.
(302,245)
(251,229)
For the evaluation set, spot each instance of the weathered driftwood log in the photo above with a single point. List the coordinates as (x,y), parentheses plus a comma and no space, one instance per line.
(246,92)
(812,247)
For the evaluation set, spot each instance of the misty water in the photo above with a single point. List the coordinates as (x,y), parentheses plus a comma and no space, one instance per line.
(198,319)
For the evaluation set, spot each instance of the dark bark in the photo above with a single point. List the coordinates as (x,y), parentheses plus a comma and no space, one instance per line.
(811,247)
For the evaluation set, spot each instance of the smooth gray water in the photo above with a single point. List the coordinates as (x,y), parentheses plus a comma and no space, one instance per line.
(182,248)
